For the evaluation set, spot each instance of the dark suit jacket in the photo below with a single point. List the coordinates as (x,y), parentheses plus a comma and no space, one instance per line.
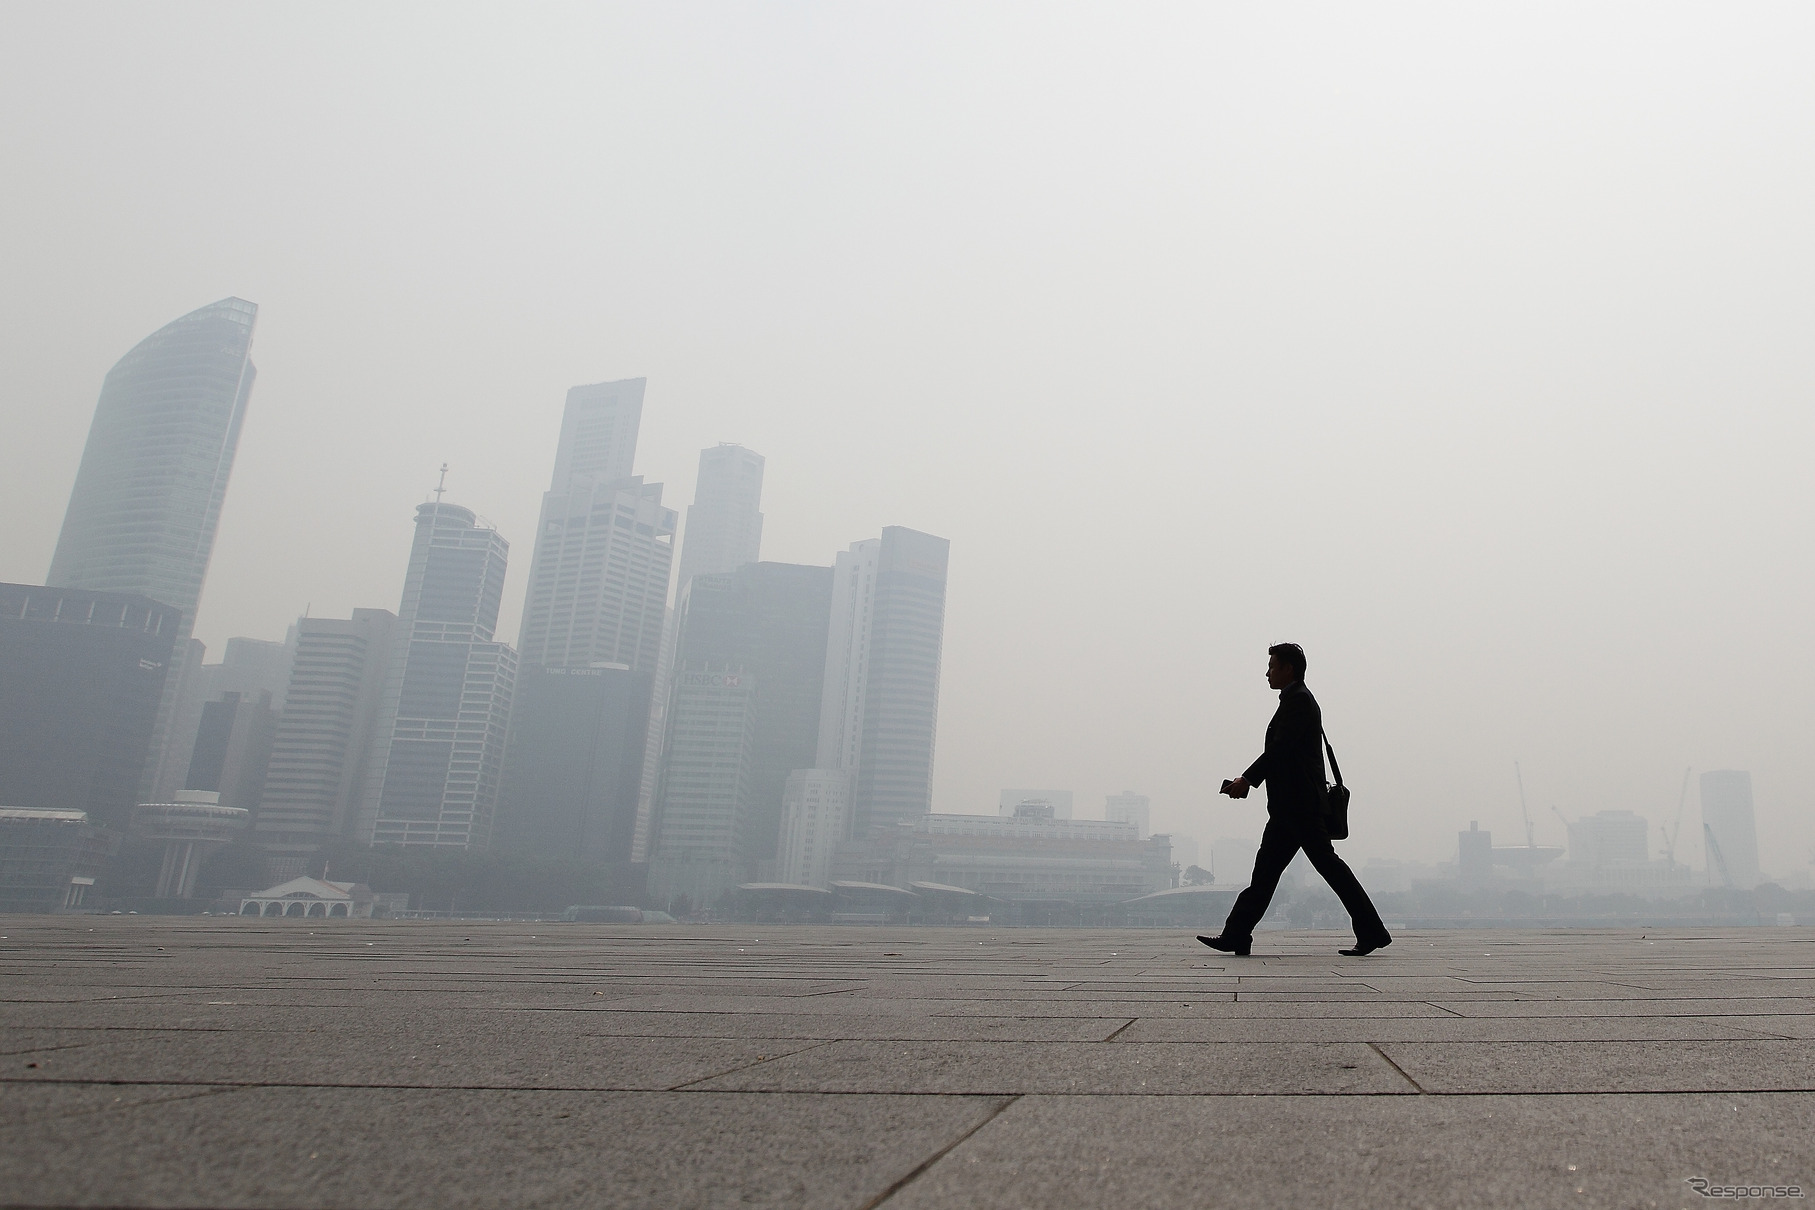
(1292,766)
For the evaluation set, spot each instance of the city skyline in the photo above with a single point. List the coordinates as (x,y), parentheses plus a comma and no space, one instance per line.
(1536,455)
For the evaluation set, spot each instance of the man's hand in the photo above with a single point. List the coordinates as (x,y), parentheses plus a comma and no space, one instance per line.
(1238,788)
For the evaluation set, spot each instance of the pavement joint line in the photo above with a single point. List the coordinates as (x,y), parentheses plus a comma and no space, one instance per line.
(938,1155)
(759,1061)
(835,991)
(1765,1035)
(210,1091)
(1120,1029)
(1404,1074)
(41,1050)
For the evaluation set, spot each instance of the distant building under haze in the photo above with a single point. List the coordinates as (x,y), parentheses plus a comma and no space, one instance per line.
(441,721)
(1129,807)
(248,667)
(1727,818)
(879,712)
(147,497)
(326,734)
(1010,800)
(81,676)
(602,558)
(574,767)
(765,623)
(725,520)
(232,750)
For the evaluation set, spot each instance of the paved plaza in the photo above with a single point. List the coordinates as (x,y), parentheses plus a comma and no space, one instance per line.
(242,1062)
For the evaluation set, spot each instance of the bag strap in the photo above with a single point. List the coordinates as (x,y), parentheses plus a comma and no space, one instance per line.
(1334,767)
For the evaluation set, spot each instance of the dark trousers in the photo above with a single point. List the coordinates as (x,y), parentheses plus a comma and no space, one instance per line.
(1278,845)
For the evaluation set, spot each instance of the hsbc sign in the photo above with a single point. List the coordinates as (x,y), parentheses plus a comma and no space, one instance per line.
(713,680)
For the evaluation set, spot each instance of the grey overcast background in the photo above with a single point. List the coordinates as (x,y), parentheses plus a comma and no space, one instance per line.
(1469,346)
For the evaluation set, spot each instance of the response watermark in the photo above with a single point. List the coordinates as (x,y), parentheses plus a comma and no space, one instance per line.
(1708,1188)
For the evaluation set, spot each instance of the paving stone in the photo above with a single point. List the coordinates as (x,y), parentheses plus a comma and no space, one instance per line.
(1387,1152)
(41,1104)
(1112,1068)
(828,1066)
(403,1148)
(369,1058)
(1638,1007)
(1444,1029)
(1652,1066)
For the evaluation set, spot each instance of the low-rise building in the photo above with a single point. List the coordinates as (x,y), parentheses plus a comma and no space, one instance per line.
(50,857)
(1021,859)
(310,897)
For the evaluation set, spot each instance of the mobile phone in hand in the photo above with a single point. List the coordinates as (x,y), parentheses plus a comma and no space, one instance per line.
(1227,782)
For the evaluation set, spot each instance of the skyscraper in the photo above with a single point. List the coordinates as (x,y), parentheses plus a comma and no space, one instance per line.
(326,735)
(598,575)
(148,492)
(705,817)
(725,521)
(599,571)
(249,667)
(574,768)
(765,622)
(881,698)
(81,674)
(232,752)
(447,694)
(815,809)
(1727,819)
(1129,807)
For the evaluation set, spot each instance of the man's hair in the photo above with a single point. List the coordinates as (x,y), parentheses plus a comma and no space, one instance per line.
(1291,655)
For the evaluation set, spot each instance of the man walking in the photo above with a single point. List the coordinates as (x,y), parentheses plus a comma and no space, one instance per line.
(1292,770)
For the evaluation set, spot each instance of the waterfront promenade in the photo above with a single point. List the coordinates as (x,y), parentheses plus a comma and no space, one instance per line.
(153,1061)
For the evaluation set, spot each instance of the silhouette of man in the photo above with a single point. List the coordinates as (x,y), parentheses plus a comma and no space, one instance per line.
(1291,768)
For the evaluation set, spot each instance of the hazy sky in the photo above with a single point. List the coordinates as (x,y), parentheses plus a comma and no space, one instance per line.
(1470,347)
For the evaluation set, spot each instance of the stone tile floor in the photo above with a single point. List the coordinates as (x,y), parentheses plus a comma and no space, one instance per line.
(221,1062)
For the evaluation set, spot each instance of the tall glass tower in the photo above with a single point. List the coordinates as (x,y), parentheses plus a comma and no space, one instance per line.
(725,520)
(600,566)
(441,720)
(147,499)
(148,493)
(878,717)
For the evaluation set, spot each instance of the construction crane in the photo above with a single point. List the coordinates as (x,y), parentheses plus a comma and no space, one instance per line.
(1677,828)
(1530,839)
(1715,857)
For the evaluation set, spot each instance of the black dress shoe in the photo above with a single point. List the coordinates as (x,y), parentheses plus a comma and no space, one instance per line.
(1366,947)
(1239,946)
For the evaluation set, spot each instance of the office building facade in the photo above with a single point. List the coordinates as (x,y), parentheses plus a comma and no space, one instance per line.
(603,558)
(573,771)
(248,668)
(81,676)
(50,858)
(816,805)
(879,712)
(326,734)
(441,722)
(725,520)
(770,621)
(1129,807)
(604,550)
(148,492)
(232,750)
(703,825)
(1729,831)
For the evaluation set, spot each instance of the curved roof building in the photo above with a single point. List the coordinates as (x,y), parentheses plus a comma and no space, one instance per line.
(147,498)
